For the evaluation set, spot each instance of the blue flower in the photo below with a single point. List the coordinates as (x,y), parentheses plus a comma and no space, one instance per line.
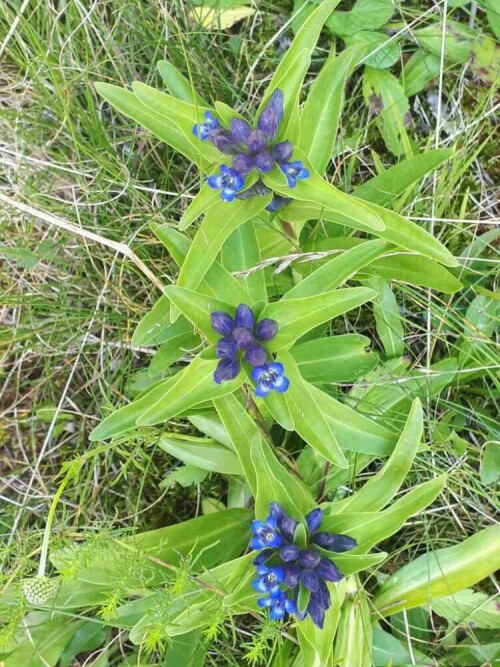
(279,605)
(295,568)
(294,171)
(269,579)
(270,376)
(266,534)
(202,130)
(229,182)
(270,118)
(277,203)
(333,542)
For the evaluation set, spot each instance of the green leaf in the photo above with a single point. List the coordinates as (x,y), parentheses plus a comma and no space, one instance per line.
(352,564)
(178,85)
(334,359)
(153,325)
(201,452)
(194,385)
(164,127)
(385,52)
(354,431)
(382,487)
(290,73)
(296,317)
(392,182)
(416,271)
(388,320)
(489,472)
(204,199)
(387,650)
(492,15)
(188,650)
(179,340)
(266,477)
(197,307)
(318,191)
(279,409)
(241,251)
(310,423)
(441,572)
(458,41)
(398,230)
(321,113)
(469,608)
(353,644)
(385,97)
(87,638)
(220,222)
(365,15)
(187,475)
(338,269)
(418,70)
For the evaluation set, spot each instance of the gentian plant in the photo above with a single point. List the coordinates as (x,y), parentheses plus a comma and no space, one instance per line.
(248,361)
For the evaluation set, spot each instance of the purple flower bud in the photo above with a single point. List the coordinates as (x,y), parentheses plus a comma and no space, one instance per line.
(289,552)
(310,580)
(256,355)
(222,323)
(243,337)
(270,118)
(328,570)
(266,330)
(226,347)
(316,612)
(242,163)
(333,542)
(322,595)
(277,511)
(292,574)
(309,558)
(287,527)
(314,519)
(256,141)
(227,369)
(264,162)
(223,141)
(240,130)
(283,151)
(244,316)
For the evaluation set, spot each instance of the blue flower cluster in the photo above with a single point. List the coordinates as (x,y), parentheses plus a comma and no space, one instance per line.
(283,568)
(251,149)
(241,335)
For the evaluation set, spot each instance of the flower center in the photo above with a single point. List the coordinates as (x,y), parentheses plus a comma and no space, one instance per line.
(268,377)
(268,534)
(292,170)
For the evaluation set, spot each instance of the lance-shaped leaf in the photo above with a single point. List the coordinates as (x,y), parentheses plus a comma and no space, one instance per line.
(353,644)
(201,452)
(382,487)
(398,230)
(310,423)
(179,341)
(388,320)
(290,73)
(154,324)
(218,282)
(220,222)
(316,190)
(441,572)
(165,128)
(195,384)
(197,308)
(338,269)
(178,85)
(334,359)
(392,182)
(321,113)
(266,477)
(241,251)
(296,317)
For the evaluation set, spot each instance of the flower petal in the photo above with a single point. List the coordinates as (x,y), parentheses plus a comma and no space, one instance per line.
(242,163)
(240,130)
(227,369)
(314,519)
(310,580)
(289,552)
(264,162)
(226,347)
(256,355)
(309,558)
(287,527)
(222,323)
(283,151)
(281,384)
(262,390)
(266,330)
(326,569)
(244,316)
(278,368)
(257,141)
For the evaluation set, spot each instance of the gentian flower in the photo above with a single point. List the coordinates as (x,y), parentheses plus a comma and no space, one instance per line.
(229,182)
(295,567)
(272,114)
(294,171)
(277,203)
(269,579)
(266,534)
(268,377)
(240,335)
(279,606)
(202,130)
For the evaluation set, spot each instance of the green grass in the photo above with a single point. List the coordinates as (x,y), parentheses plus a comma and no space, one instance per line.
(70,304)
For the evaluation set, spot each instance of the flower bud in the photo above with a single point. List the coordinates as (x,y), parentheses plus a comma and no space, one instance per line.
(222,323)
